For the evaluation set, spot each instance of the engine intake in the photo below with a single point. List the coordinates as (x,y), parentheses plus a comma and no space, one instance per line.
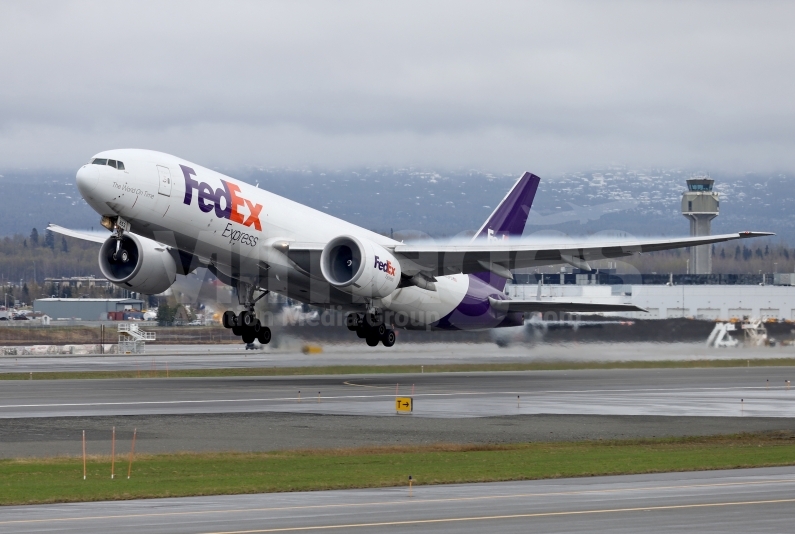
(140,264)
(359,267)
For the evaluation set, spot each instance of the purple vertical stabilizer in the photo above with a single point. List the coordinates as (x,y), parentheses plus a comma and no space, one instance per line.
(508,220)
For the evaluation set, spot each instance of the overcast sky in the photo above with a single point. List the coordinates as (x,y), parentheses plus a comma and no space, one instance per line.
(500,86)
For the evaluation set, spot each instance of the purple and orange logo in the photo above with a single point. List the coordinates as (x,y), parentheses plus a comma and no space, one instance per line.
(211,199)
(386,266)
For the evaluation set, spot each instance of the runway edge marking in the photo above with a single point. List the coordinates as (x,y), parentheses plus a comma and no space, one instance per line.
(511,516)
(399,503)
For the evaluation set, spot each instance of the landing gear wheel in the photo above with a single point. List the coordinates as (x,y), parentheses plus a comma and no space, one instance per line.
(121,255)
(246,318)
(256,327)
(361,332)
(237,330)
(372,340)
(388,339)
(380,330)
(229,319)
(264,335)
(249,336)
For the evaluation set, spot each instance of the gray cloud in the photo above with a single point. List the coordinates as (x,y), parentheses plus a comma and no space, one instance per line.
(504,86)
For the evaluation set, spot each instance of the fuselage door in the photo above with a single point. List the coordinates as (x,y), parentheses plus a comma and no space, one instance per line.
(164,183)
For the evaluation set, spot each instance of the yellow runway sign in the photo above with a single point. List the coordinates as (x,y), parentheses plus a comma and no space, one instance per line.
(404,404)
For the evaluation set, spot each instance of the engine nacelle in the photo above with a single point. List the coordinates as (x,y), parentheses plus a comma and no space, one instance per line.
(359,267)
(140,265)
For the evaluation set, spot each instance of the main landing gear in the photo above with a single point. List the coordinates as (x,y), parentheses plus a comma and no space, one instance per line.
(245,324)
(370,328)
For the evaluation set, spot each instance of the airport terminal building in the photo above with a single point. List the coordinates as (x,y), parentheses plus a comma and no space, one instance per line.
(707,302)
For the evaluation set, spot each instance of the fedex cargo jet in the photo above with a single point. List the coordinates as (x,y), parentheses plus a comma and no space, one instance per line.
(168,216)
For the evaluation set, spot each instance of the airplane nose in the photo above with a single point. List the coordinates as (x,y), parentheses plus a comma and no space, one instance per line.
(87,178)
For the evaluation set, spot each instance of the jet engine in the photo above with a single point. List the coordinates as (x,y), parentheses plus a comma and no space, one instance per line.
(360,267)
(137,264)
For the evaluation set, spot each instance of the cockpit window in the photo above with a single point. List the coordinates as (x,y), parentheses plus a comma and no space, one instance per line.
(110,162)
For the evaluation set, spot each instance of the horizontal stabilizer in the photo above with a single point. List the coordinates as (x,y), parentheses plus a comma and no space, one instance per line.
(85,236)
(560,306)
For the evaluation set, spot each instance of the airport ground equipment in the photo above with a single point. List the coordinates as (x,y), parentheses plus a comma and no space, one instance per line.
(754,333)
(720,336)
(132,340)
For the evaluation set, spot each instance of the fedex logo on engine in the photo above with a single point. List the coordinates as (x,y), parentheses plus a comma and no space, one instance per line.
(386,266)
(211,199)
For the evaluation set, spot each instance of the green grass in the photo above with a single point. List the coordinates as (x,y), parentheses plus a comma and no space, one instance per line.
(24,481)
(160,371)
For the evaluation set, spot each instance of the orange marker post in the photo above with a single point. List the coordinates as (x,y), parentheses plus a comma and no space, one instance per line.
(84,454)
(299,396)
(113,454)
(410,488)
(132,451)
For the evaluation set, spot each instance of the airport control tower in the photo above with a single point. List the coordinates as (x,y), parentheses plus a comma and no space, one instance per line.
(700,204)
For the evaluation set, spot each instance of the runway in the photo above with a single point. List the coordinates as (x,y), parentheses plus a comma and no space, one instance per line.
(730,392)
(46,417)
(752,500)
(416,354)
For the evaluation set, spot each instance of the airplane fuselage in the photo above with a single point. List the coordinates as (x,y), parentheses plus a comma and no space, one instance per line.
(245,233)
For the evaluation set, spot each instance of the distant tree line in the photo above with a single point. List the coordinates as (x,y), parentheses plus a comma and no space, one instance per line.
(27,260)
(746,257)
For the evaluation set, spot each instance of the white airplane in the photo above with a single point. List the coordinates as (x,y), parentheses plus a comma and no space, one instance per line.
(169,216)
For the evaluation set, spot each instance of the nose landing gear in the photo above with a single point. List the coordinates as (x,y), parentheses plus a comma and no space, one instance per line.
(371,328)
(121,255)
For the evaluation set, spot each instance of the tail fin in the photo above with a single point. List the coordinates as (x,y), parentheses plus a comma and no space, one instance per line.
(508,219)
(510,216)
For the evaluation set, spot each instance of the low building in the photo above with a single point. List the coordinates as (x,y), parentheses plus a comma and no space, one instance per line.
(86,309)
(707,302)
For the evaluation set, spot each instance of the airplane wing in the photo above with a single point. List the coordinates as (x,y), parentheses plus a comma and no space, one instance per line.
(501,257)
(560,306)
(85,236)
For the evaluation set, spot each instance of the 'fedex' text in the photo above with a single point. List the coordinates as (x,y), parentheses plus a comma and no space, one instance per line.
(226,200)
(387,266)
